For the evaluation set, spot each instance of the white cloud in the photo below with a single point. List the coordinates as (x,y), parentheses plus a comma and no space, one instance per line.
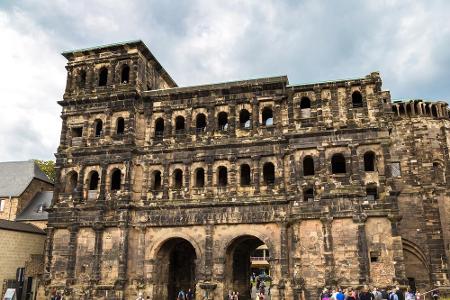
(203,41)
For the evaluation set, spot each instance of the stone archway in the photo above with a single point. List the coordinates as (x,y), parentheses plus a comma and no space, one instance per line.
(238,264)
(417,269)
(175,268)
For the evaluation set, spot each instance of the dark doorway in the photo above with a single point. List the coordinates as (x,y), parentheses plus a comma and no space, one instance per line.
(239,262)
(175,269)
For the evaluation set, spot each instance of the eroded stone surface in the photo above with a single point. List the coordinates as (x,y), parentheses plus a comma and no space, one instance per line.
(376,225)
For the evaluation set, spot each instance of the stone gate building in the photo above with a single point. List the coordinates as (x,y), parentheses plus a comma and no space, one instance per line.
(161,187)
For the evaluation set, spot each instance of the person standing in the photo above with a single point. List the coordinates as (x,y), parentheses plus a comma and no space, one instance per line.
(393,295)
(190,295)
(409,295)
(399,293)
(376,294)
(340,295)
(181,295)
(366,295)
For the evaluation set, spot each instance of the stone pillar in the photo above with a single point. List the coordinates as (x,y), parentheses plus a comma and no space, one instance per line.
(72,253)
(363,255)
(102,193)
(98,249)
(284,260)
(48,254)
(399,266)
(123,251)
(330,275)
(165,180)
(209,248)
(256,173)
(354,162)
(140,259)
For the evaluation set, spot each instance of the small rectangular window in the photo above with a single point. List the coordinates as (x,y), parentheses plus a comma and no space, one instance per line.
(77,131)
(395,169)
(2,205)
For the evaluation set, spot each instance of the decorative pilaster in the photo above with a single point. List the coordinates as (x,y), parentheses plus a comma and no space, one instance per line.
(328,250)
(98,249)
(72,253)
(363,255)
(123,250)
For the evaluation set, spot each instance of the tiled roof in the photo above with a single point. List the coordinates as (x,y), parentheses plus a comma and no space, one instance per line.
(35,210)
(15,176)
(17,226)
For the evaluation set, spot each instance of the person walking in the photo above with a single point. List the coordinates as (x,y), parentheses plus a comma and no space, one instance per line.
(366,295)
(140,297)
(190,295)
(181,295)
(409,295)
(399,293)
(435,295)
(377,294)
(384,294)
(340,295)
(393,295)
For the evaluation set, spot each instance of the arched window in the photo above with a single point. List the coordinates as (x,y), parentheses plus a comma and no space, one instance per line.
(438,172)
(103,77)
(369,161)
(308,194)
(338,164)
(308,166)
(402,111)
(98,127)
(267,116)
(245,175)
(82,82)
(116,180)
(200,123)
(372,192)
(222,176)
(434,111)
(244,119)
(159,128)
(157,180)
(357,100)
(269,173)
(409,109)
(71,182)
(179,125)
(178,179)
(417,109)
(427,109)
(125,78)
(199,177)
(120,126)
(305,107)
(93,181)
(395,110)
(222,121)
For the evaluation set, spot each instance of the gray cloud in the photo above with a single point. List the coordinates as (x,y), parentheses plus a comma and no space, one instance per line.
(203,41)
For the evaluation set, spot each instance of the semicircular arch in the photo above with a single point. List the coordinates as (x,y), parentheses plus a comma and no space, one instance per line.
(160,239)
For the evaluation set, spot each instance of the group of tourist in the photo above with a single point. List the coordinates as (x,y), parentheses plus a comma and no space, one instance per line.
(182,295)
(372,294)
(233,295)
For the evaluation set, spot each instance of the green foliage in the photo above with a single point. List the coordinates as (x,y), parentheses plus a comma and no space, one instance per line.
(48,167)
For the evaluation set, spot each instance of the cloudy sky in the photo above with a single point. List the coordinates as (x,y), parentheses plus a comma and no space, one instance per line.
(206,41)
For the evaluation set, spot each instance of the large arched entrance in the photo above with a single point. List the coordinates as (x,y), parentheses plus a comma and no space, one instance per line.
(245,256)
(174,268)
(416,266)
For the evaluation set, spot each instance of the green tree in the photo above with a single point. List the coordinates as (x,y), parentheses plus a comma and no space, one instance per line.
(48,167)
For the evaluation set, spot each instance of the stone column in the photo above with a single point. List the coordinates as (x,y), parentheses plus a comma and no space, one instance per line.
(284,260)
(98,249)
(330,275)
(48,254)
(72,253)
(102,194)
(363,255)
(166,181)
(399,267)
(256,173)
(123,250)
